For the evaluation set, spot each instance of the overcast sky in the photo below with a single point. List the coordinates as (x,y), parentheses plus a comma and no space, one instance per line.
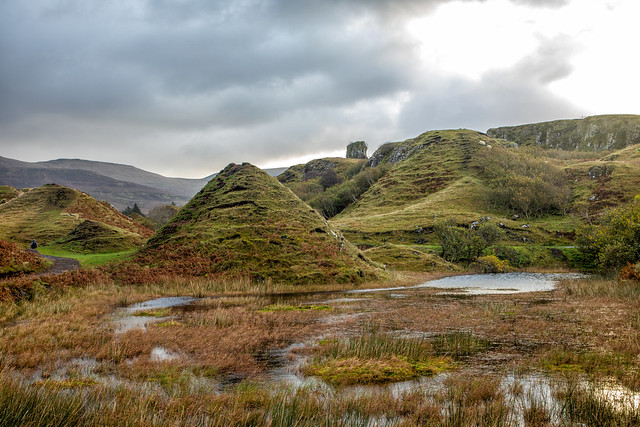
(183,87)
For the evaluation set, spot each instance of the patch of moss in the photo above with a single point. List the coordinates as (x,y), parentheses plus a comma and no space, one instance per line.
(354,370)
(161,312)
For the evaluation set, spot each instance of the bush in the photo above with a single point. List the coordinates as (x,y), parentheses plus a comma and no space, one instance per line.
(336,198)
(460,244)
(615,242)
(513,256)
(631,272)
(492,264)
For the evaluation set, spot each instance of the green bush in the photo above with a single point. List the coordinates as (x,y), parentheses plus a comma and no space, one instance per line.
(465,244)
(336,198)
(513,256)
(615,242)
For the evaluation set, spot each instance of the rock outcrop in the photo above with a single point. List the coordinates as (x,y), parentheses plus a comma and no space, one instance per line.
(357,150)
(596,133)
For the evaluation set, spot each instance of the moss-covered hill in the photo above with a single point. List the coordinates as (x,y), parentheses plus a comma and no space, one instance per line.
(244,223)
(432,176)
(468,176)
(595,133)
(56,214)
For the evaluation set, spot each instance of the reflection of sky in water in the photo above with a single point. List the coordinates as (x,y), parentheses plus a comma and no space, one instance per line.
(157,303)
(505,283)
(130,321)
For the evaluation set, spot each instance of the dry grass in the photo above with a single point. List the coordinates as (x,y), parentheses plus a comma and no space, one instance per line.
(223,338)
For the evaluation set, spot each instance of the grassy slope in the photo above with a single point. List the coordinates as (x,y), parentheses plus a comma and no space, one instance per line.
(51,212)
(245,223)
(7,193)
(438,181)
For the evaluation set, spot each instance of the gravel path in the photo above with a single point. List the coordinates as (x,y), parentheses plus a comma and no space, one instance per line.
(60,264)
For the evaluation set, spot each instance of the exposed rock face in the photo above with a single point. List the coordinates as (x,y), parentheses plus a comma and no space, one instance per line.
(357,150)
(596,133)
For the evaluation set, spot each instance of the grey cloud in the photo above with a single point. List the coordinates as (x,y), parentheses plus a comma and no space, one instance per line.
(515,95)
(542,3)
(200,82)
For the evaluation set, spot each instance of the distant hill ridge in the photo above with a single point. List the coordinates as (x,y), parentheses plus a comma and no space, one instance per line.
(595,133)
(121,185)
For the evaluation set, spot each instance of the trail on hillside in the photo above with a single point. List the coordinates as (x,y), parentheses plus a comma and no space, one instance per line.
(60,264)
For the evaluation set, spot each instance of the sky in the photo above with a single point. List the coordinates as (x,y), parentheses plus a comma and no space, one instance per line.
(184,87)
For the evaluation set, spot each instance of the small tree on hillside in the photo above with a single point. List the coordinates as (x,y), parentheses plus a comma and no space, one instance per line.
(465,244)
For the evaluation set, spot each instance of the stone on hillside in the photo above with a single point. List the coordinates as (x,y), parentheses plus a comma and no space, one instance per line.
(357,150)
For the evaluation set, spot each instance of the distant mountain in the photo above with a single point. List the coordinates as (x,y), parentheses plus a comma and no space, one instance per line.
(595,133)
(120,185)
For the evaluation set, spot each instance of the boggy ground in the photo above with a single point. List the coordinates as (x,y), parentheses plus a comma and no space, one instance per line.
(212,361)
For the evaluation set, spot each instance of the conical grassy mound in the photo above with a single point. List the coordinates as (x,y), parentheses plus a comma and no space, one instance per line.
(54,214)
(244,223)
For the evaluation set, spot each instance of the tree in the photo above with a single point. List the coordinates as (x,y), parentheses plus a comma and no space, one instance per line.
(128,211)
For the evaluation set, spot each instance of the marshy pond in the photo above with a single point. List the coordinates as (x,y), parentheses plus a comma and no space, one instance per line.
(515,349)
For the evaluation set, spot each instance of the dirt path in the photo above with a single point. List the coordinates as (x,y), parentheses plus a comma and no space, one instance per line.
(60,264)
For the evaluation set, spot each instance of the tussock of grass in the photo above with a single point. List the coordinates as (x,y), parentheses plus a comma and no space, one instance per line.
(374,357)
(459,344)
(597,364)
(601,287)
(590,405)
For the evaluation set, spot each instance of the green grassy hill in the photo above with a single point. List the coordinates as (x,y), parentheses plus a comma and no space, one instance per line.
(53,214)
(463,175)
(432,177)
(244,223)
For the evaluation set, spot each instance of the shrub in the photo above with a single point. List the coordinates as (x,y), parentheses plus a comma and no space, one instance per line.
(459,244)
(337,197)
(615,242)
(631,272)
(514,257)
(492,264)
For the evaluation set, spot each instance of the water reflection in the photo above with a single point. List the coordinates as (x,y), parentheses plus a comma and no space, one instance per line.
(486,284)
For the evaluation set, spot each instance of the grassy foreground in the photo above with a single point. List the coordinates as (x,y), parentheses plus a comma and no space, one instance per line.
(63,362)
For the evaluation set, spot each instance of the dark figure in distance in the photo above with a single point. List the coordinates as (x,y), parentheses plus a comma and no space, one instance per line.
(34,244)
